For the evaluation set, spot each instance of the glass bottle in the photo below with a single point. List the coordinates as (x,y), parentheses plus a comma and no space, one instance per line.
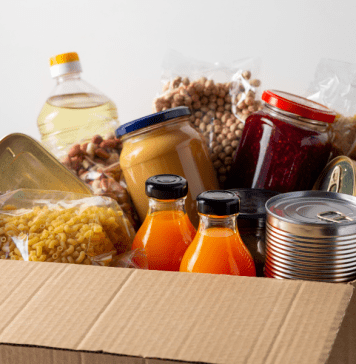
(251,222)
(75,111)
(217,247)
(166,231)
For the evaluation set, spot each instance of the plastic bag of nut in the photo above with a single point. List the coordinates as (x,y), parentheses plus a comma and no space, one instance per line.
(220,98)
(65,227)
(334,86)
(97,163)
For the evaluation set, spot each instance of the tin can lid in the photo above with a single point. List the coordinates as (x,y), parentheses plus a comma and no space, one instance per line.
(338,176)
(152,119)
(298,105)
(313,213)
(20,155)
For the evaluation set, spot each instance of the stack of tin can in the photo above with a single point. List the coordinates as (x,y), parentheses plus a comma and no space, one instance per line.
(311,235)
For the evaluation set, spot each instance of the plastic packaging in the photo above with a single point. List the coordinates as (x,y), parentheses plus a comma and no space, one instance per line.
(220,98)
(334,86)
(74,110)
(167,231)
(54,226)
(96,162)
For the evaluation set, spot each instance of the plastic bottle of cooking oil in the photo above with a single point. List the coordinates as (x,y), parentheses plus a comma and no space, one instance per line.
(75,111)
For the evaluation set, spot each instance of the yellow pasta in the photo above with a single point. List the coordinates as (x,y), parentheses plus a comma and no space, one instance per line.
(39,251)
(69,251)
(53,243)
(62,237)
(58,234)
(17,252)
(34,240)
(42,258)
(70,259)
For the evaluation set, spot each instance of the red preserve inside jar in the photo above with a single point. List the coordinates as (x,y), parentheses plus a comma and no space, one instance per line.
(284,147)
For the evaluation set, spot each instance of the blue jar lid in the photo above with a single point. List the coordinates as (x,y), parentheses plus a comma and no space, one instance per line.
(152,120)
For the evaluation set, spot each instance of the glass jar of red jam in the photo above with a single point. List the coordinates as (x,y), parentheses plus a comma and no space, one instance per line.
(284,147)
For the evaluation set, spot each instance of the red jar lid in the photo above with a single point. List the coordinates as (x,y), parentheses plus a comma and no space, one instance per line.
(298,105)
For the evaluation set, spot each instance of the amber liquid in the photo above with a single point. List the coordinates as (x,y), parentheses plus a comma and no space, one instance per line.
(68,119)
(218,251)
(165,236)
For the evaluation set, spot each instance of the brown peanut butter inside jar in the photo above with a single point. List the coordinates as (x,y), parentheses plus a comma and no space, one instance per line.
(165,143)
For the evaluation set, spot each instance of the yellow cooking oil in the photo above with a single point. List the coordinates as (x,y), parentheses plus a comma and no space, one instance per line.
(71,118)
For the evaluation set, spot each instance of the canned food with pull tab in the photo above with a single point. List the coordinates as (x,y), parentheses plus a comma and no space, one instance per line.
(311,235)
(338,176)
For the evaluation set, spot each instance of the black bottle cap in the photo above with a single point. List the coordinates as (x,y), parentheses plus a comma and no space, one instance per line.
(218,203)
(166,187)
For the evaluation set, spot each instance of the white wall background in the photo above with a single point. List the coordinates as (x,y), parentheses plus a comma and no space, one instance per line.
(122,44)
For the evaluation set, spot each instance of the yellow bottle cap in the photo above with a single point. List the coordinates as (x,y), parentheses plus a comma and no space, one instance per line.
(64,63)
(63,58)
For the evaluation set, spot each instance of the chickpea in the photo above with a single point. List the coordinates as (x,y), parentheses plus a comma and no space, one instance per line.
(218,111)
(246,75)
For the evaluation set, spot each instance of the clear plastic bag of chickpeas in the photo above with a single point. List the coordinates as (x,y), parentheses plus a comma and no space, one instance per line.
(64,227)
(220,98)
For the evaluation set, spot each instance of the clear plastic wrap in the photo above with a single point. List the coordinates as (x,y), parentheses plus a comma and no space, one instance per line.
(334,86)
(219,96)
(55,226)
(97,164)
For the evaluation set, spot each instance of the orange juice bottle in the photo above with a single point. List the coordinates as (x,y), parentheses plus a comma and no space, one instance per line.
(217,246)
(166,231)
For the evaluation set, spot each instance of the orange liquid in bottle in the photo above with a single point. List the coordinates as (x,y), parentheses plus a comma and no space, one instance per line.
(218,250)
(165,236)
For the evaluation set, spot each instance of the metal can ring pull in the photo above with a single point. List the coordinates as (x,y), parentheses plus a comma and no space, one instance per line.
(335,180)
(333,216)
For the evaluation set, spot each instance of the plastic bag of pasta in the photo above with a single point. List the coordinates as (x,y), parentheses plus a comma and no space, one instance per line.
(55,226)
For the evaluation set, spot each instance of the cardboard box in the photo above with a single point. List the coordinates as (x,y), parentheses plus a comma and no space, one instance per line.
(61,313)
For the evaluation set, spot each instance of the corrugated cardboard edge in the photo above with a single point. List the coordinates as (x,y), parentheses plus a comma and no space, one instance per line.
(344,347)
(272,356)
(339,324)
(47,355)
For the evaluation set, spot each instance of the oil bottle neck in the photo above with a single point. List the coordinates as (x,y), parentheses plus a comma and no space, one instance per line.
(73,76)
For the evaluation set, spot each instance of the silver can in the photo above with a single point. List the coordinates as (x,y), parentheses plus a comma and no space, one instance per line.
(311,235)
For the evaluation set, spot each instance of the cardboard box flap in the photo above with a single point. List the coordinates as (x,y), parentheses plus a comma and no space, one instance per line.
(168,315)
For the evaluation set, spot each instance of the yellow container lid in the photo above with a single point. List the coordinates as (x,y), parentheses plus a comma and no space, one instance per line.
(63,58)
(64,63)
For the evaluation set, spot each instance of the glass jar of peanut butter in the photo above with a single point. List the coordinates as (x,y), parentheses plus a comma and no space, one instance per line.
(165,143)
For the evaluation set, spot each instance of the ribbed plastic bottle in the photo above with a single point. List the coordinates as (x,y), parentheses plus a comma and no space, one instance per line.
(75,110)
